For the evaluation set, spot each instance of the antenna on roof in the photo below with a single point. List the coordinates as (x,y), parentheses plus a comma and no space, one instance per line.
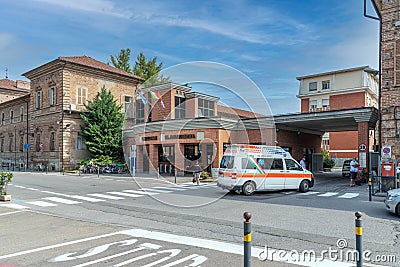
(6,73)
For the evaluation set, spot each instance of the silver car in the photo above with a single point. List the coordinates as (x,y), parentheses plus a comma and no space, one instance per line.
(392,201)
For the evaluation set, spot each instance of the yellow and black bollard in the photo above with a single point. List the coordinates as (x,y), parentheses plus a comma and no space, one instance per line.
(370,188)
(247,239)
(359,239)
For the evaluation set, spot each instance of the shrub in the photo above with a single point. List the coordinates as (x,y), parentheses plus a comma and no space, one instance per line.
(5,179)
(328,163)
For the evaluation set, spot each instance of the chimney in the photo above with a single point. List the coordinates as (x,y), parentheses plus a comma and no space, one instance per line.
(23,84)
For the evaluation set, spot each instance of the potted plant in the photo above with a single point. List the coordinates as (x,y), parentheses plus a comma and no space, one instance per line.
(5,179)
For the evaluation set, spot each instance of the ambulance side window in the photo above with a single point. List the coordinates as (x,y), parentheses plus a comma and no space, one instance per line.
(277,164)
(246,164)
(292,165)
(227,162)
(265,163)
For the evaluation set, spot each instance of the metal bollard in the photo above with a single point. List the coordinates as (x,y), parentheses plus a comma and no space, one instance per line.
(247,239)
(370,188)
(359,239)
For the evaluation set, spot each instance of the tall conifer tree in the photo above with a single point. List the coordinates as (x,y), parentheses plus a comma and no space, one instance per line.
(103,126)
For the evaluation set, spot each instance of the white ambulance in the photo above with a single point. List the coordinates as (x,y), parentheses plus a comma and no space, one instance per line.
(248,168)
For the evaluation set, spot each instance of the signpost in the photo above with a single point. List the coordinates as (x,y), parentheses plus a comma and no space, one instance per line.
(362,155)
(386,152)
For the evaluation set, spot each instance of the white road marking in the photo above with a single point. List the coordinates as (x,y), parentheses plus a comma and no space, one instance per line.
(309,193)
(62,200)
(33,189)
(124,194)
(209,244)
(349,195)
(42,203)
(106,196)
(11,212)
(14,206)
(329,194)
(90,199)
(20,186)
(175,188)
(141,192)
(142,247)
(154,190)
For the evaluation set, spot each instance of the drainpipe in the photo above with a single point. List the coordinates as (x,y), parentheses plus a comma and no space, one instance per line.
(379,18)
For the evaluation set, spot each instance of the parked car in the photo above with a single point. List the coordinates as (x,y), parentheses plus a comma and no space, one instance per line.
(392,201)
(346,168)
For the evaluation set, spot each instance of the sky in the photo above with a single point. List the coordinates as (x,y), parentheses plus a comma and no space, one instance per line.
(270,42)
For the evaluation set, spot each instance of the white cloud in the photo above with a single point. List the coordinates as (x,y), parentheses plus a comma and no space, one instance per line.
(98,6)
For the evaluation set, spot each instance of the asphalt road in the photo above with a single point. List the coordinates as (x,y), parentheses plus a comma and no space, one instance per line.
(52,209)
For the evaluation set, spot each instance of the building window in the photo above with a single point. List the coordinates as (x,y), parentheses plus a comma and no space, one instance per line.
(52,96)
(21,143)
(180,107)
(2,145)
(312,86)
(3,118)
(21,114)
(81,95)
(205,108)
(11,144)
(326,84)
(325,103)
(12,116)
(38,100)
(38,144)
(52,141)
(139,111)
(313,104)
(127,100)
(166,153)
(80,143)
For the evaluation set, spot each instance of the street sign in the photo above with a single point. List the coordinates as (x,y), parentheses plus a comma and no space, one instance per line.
(362,147)
(387,152)
(27,146)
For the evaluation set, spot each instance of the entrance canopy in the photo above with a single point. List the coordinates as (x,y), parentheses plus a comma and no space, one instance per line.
(327,121)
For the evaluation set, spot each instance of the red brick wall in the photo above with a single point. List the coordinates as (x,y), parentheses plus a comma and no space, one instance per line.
(305,105)
(355,100)
(299,141)
(343,141)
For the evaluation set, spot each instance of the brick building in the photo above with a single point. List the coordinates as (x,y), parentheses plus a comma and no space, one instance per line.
(47,116)
(178,127)
(338,90)
(389,14)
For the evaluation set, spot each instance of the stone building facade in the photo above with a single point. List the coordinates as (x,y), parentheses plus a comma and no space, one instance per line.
(58,91)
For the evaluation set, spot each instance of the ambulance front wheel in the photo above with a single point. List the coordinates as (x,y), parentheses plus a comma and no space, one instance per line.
(248,188)
(304,186)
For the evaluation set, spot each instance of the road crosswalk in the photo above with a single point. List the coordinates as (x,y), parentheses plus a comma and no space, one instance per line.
(59,198)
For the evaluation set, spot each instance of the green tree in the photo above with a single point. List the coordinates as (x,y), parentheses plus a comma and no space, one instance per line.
(149,70)
(103,126)
(121,61)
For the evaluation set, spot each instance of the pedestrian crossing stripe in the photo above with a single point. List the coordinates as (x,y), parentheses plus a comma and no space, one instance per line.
(175,188)
(62,200)
(124,194)
(154,190)
(90,199)
(328,194)
(349,195)
(106,196)
(41,203)
(14,206)
(141,192)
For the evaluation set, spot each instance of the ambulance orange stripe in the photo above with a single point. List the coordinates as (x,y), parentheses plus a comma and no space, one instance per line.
(268,175)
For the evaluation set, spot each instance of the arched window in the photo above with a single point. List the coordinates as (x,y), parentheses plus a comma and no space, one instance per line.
(21,114)
(12,116)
